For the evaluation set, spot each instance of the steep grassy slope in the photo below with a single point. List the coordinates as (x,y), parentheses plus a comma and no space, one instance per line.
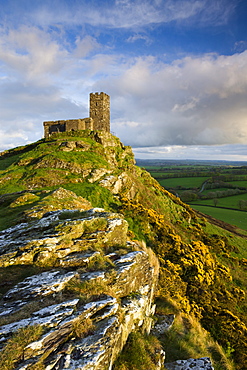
(203,267)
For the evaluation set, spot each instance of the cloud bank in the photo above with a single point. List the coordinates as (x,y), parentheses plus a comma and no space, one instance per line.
(234,152)
(193,101)
(49,66)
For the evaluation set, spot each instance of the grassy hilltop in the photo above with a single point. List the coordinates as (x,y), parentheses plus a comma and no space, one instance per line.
(202,278)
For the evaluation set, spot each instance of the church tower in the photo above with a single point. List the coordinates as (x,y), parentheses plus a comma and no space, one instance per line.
(100,111)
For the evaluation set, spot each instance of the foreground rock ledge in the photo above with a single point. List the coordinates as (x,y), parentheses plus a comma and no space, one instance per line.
(124,303)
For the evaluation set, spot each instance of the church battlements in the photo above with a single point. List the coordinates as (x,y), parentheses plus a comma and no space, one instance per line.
(99,118)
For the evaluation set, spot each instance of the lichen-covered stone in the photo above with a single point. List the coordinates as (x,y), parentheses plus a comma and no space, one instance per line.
(43,284)
(50,316)
(97,173)
(164,324)
(116,183)
(203,363)
(76,239)
(59,234)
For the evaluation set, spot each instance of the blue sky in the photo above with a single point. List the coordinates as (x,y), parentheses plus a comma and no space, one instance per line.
(176,71)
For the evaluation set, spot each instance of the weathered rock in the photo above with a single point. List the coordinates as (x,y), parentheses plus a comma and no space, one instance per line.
(99,349)
(203,363)
(50,316)
(97,174)
(137,266)
(161,359)
(119,184)
(133,281)
(68,243)
(40,285)
(56,235)
(164,324)
(81,145)
(78,259)
(106,139)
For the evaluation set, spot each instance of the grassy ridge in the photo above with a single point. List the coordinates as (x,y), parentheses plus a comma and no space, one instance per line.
(202,266)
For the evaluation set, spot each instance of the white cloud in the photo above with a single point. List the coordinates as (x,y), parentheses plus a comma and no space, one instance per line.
(213,152)
(30,52)
(138,36)
(12,139)
(118,13)
(85,45)
(186,106)
(194,101)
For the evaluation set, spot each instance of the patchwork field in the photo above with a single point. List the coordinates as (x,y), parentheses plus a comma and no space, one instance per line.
(217,189)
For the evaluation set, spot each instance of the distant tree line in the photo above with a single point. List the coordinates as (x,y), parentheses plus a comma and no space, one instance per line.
(215,183)
(214,175)
(190,195)
(223,193)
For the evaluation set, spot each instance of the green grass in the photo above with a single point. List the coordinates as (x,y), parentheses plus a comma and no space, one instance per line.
(6,162)
(159,168)
(46,165)
(10,215)
(187,339)
(186,182)
(213,190)
(82,158)
(229,202)
(234,240)
(233,217)
(15,348)
(239,183)
(50,151)
(141,352)
(96,194)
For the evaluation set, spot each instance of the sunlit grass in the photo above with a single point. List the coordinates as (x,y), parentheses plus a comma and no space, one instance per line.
(233,217)
(187,339)
(186,182)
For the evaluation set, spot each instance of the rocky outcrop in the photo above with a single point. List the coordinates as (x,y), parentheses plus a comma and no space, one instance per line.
(87,155)
(60,234)
(69,273)
(97,287)
(203,363)
(67,146)
(164,324)
(116,184)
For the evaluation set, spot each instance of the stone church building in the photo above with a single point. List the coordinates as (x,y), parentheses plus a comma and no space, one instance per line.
(99,118)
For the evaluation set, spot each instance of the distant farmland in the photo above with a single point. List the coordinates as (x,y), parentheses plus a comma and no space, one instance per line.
(213,188)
